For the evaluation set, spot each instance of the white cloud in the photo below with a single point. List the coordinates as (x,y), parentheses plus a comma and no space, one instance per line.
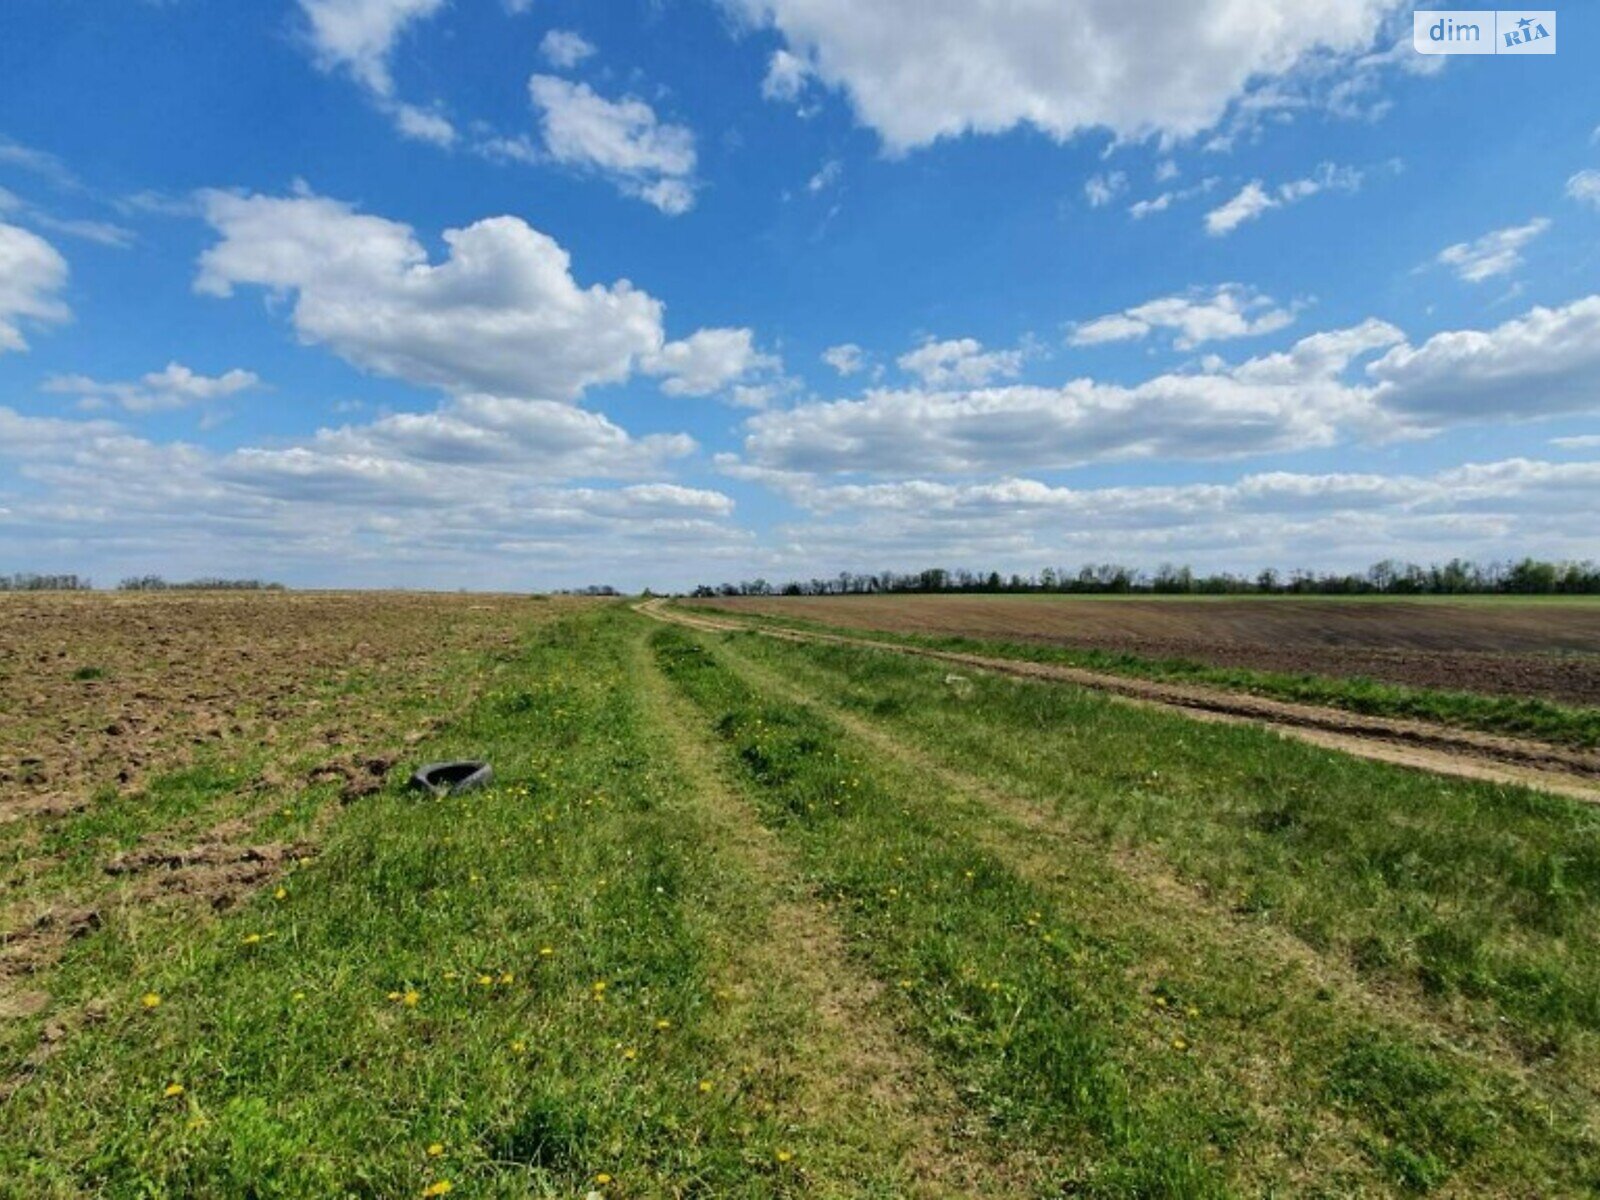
(1292,400)
(1196,317)
(1582,441)
(32,275)
(175,386)
(786,77)
(565,48)
(1334,521)
(918,70)
(359,36)
(501,313)
(620,139)
(1101,190)
(1584,187)
(846,358)
(1166,170)
(467,495)
(827,175)
(1254,199)
(1543,363)
(960,362)
(709,361)
(1140,209)
(1496,253)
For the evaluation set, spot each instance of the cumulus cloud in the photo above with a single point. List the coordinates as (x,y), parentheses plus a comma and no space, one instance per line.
(174,386)
(469,495)
(709,361)
(1498,252)
(846,358)
(1102,189)
(502,313)
(619,139)
(32,276)
(1254,199)
(1159,203)
(1196,317)
(359,36)
(1584,187)
(919,70)
(1543,363)
(1292,400)
(565,48)
(1337,521)
(959,362)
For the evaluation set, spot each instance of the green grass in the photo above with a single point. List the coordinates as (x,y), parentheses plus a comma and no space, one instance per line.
(584,971)
(1517,716)
(1475,893)
(1037,993)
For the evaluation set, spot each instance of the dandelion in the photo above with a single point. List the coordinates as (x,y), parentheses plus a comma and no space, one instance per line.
(1192,1011)
(435,1150)
(451,976)
(507,977)
(784,1156)
(519,1046)
(705,1086)
(442,1187)
(394,996)
(411,999)
(173,1090)
(1179,1044)
(150,1000)
(1161,1001)
(663,1024)
(547,951)
(250,939)
(629,1054)
(281,894)
(602,1179)
(297,997)
(485,980)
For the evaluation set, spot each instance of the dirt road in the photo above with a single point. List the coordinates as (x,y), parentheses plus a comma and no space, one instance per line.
(1418,744)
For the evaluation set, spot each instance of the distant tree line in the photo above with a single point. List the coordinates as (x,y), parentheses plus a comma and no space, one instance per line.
(155,583)
(1458,577)
(27,581)
(593,589)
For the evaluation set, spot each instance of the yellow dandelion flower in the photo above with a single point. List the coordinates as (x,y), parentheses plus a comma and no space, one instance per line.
(1161,1001)
(518,1046)
(663,1023)
(705,1085)
(602,1179)
(546,951)
(435,1150)
(394,995)
(173,1089)
(250,939)
(485,980)
(281,894)
(784,1156)
(451,976)
(411,999)
(150,1000)
(1192,1011)
(507,977)
(297,997)
(442,1187)
(599,985)
(629,1053)
(1179,1044)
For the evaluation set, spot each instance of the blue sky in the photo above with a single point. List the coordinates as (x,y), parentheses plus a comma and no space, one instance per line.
(538,293)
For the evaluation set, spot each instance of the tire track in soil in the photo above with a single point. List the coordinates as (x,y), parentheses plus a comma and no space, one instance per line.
(1419,745)
(859,1060)
(1051,841)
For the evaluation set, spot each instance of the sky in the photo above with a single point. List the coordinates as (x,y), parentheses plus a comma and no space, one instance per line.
(535,294)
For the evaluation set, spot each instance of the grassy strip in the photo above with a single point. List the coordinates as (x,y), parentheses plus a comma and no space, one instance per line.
(1516,716)
(1484,898)
(1304,1074)
(1081,1026)
(509,992)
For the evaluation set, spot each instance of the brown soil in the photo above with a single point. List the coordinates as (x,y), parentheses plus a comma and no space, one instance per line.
(1419,744)
(1483,645)
(97,692)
